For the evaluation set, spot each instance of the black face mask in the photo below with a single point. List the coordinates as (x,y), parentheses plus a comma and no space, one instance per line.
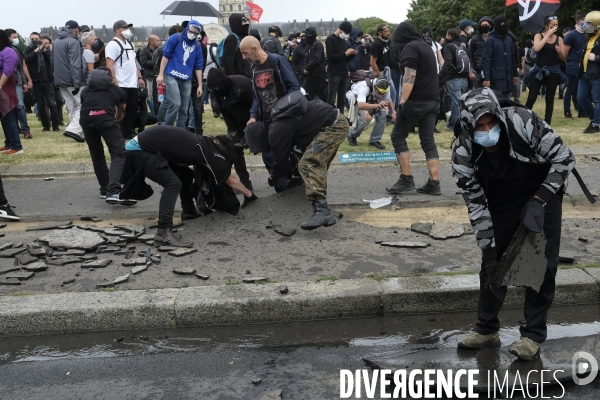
(310,39)
(484,29)
(36,43)
(245,29)
(427,39)
(502,30)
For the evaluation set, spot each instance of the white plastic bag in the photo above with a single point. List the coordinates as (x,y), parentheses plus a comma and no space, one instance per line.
(379,202)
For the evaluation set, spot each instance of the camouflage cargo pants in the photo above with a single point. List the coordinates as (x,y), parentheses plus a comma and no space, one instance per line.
(319,154)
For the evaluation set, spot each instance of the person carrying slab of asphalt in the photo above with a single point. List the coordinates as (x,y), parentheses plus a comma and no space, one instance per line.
(511,168)
(316,129)
(164,155)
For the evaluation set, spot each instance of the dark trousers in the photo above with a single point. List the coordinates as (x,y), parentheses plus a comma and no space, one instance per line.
(416,113)
(59,105)
(128,123)
(45,97)
(176,181)
(571,92)
(316,86)
(551,82)
(96,128)
(141,119)
(338,86)
(10,127)
(3,200)
(198,106)
(506,220)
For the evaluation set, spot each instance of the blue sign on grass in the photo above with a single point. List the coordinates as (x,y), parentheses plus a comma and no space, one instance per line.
(379,156)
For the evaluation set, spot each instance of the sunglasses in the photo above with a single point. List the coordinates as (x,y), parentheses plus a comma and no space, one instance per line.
(245,20)
(552,18)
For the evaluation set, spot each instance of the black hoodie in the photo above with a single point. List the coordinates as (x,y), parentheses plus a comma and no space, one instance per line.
(315,54)
(232,62)
(416,54)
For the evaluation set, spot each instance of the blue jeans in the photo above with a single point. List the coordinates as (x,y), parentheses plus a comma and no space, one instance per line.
(378,129)
(456,87)
(11,130)
(585,86)
(396,77)
(177,97)
(21,114)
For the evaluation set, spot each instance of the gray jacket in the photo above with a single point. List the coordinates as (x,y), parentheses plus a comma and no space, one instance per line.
(68,67)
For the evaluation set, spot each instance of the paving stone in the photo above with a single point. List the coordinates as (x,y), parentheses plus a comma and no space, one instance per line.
(50,226)
(6,270)
(36,267)
(139,269)
(5,246)
(25,258)
(63,260)
(121,279)
(285,230)
(10,252)
(164,249)
(405,244)
(134,262)
(97,264)
(421,227)
(184,271)
(73,239)
(203,277)
(20,275)
(254,279)
(105,285)
(182,252)
(446,230)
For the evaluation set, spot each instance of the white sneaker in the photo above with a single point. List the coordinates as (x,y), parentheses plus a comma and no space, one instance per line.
(114,199)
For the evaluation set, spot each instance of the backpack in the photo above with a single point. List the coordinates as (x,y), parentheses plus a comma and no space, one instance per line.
(270,46)
(363,75)
(122,50)
(530,56)
(221,50)
(462,63)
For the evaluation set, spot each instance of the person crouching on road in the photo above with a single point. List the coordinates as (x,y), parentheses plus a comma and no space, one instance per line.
(164,154)
(317,129)
(509,163)
(102,107)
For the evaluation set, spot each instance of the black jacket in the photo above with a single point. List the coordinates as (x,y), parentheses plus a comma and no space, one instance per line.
(298,62)
(315,56)
(146,61)
(449,72)
(476,50)
(593,67)
(32,59)
(336,56)
(234,97)
(232,62)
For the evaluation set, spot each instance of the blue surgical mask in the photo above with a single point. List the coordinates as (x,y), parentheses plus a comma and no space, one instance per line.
(488,139)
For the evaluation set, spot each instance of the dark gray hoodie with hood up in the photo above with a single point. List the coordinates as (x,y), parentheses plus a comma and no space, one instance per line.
(531,141)
(68,69)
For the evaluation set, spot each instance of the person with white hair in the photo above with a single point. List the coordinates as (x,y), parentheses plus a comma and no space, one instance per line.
(87,42)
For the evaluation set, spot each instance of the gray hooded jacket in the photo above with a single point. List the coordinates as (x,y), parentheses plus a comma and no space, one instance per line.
(68,69)
(531,141)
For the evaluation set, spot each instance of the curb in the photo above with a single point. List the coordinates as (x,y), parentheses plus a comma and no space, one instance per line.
(259,304)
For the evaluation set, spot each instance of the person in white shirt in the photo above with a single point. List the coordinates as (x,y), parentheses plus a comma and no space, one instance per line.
(427,33)
(369,101)
(120,59)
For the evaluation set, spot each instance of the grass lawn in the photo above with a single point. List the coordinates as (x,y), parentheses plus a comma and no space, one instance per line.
(53,147)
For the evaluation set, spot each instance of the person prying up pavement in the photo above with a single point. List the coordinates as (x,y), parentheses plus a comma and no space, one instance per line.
(99,101)
(511,167)
(317,129)
(163,154)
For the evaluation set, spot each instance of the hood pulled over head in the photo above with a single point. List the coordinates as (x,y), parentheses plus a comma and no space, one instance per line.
(355,33)
(217,80)
(474,104)
(404,34)
(236,25)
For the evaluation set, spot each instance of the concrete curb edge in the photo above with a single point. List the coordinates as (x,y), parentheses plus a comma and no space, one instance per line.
(263,303)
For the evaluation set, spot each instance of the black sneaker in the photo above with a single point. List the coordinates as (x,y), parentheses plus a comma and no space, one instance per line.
(56,129)
(352,141)
(45,129)
(74,136)
(186,216)
(377,144)
(582,115)
(7,213)
(404,184)
(431,187)
(568,114)
(592,129)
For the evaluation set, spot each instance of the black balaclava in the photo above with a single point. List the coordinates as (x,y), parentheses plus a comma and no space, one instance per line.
(427,33)
(236,26)
(501,26)
(310,35)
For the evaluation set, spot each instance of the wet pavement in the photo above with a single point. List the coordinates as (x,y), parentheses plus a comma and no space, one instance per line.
(303,360)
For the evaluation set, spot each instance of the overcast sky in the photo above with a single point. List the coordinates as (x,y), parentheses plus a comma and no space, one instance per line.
(28,15)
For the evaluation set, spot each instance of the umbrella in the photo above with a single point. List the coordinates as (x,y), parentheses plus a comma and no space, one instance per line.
(533,12)
(191,8)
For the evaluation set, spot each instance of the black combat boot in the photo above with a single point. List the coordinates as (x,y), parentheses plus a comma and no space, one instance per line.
(165,237)
(322,216)
(404,184)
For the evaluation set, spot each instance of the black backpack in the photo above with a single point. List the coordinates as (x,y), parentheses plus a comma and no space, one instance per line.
(123,50)
(462,63)
(270,46)
(363,75)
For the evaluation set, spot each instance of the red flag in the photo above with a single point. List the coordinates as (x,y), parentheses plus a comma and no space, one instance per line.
(254,11)
(533,12)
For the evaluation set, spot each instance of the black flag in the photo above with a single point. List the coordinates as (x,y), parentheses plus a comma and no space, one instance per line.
(533,12)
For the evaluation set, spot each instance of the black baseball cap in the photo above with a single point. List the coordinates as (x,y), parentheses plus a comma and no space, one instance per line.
(72,24)
(84,28)
(121,24)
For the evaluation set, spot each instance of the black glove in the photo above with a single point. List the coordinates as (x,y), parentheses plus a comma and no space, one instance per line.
(490,262)
(294,182)
(74,92)
(248,200)
(270,181)
(533,215)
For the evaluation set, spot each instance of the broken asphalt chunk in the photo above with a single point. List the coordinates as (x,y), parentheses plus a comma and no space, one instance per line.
(5,246)
(285,231)
(9,283)
(284,290)
(8,253)
(21,275)
(108,249)
(69,281)
(6,270)
(36,267)
(140,269)
(421,227)
(182,252)
(50,226)
(62,260)
(184,271)
(414,245)
(73,239)
(36,250)
(583,240)
(97,264)
(105,285)
(121,279)
(147,236)
(25,258)
(446,230)
(566,258)
(254,279)
(203,277)
(91,219)
(134,262)
(164,249)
